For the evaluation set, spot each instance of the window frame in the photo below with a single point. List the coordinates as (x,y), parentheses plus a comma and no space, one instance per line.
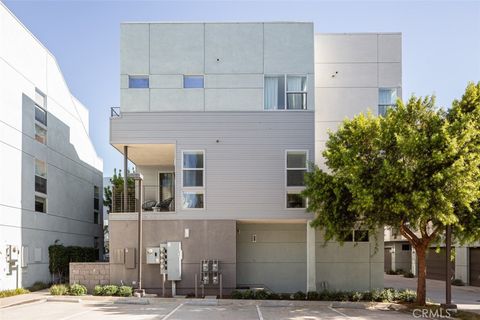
(138,76)
(44,194)
(196,189)
(386,106)
(285,94)
(294,189)
(193,76)
(41,127)
(96,196)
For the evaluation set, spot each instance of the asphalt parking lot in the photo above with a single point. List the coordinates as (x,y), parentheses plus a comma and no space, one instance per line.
(176,310)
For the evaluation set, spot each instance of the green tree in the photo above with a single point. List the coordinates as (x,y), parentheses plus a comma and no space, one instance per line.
(417,169)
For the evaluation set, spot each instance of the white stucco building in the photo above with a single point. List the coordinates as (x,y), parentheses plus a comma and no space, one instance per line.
(51,175)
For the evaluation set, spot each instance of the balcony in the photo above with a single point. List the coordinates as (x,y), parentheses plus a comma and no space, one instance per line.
(156,198)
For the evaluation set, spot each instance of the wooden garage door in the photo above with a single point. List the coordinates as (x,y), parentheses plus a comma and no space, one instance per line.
(436,265)
(388,260)
(475,267)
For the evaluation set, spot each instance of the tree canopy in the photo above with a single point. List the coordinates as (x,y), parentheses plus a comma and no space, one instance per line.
(416,169)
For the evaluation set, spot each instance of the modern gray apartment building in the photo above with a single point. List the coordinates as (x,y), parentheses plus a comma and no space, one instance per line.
(222,120)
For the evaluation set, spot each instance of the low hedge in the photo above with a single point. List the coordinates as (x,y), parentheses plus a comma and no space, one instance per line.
(59,290)
(113,290)
(377,295)
(13,292)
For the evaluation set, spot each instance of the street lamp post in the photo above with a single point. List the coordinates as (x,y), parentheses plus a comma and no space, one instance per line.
(138,177)
(448,277)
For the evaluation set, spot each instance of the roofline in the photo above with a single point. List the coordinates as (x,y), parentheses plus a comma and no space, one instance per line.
(216,22)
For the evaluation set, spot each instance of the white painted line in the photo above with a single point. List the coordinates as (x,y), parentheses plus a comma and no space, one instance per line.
(172,312)
(77,314)
(260,317)
(340,313)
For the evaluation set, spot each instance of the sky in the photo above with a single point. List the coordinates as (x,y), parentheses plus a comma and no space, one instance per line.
(441,41)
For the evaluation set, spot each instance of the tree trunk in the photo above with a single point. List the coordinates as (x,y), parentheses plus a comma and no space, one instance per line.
(422,275)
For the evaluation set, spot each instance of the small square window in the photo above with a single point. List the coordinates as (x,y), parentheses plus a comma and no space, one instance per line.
(346,236)
(40,99)
(138,82)
(40,134)
(193,200)
(295,201)
(386,99)
(40,204)
(361,235)
(405,247)
(40,115)
(193,82)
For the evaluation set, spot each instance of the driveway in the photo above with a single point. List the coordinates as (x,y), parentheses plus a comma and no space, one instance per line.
(467,297)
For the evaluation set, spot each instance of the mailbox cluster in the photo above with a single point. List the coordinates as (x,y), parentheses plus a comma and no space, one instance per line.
(210,271)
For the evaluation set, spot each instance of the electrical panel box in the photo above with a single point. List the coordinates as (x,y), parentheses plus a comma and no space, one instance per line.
(174,259)
(153,255)
(163,258)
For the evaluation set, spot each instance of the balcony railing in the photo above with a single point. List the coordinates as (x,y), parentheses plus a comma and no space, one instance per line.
(156,198)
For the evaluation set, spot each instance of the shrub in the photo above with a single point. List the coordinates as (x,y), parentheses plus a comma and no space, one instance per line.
(357,296)
(98,290)
(285,296)
(237,294)
(274,296)
(458,282)
(312,295)
(109,290)
(391,272)
(126,291)
(261,294)
(407,296)
(408,275)
(248,294)
(77,290)
(299,295)
(13,292)
(39,285)
(60,256)
(58,290)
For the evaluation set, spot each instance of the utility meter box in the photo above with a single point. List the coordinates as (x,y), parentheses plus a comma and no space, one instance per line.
(175,256)
(163,258)
(153,255)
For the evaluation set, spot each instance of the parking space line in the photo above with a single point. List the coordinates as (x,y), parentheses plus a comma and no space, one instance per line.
(172,312)
(77,314)
(340,313)
(260,317)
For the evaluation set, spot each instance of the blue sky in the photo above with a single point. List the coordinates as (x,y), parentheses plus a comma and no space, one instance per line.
(441,41)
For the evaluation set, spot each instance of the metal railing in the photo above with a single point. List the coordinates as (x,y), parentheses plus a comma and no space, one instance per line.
(114,112)
(156,198)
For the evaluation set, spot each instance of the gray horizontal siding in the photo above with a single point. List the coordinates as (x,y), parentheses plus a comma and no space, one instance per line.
(245,170)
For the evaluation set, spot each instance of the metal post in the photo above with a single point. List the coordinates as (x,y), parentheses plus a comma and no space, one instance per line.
(174,289)
(221,286)
(140,236)
(203,290)
(163,285)
(448,278)
(125,181)
(196,291)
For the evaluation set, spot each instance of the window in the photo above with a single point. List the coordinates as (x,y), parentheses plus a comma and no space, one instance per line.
(193,82)
(296,92)
(40,176)
(360,235)
(387,98)
(346,236)
(40,134)
(95,217)
(138,82)
(405,247)
(296,167)
(285,92)
(96,203)
(193,168)
(40,204)
(40,115)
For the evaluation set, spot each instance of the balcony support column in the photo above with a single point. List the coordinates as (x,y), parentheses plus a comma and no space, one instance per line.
(125,177)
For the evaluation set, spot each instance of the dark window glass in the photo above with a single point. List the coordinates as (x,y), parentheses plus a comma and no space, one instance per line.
(95,217)
(193,178)
(295,200)
(40,115)
(40,204)
(361,235)
(96,204)
(193,81)
(346,236)
(193,200)
(405,247)
(296,159)
(295,178)
(296,101)
(193,159)
(40,184)
(138,82)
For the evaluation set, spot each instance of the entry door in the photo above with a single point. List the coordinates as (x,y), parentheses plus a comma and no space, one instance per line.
(166,188)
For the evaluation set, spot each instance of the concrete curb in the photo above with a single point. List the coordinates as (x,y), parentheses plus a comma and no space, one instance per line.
(349,305)
(140,301)
(64,299)
(14,304)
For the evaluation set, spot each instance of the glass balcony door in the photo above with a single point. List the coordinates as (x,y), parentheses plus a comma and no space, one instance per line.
(166,190)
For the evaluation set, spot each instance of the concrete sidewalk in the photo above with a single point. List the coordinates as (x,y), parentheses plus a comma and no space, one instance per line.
(466,298)
(24,298)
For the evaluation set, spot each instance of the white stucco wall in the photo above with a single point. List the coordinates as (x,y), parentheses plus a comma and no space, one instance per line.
(73,167)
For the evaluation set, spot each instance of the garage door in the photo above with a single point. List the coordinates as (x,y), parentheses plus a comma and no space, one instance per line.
(436,265)
(475,267)
(388,260)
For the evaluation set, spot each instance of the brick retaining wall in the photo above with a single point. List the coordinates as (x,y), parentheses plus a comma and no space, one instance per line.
(90,273)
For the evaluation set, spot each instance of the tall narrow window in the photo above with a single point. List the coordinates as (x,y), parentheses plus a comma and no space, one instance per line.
(193,82)
(96,203)
(40,204)
(386,99)
(296,92)
(274,93)
(193,168)
(40,176)
(40,134)
(138,82)
(296,167)
(40,117)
